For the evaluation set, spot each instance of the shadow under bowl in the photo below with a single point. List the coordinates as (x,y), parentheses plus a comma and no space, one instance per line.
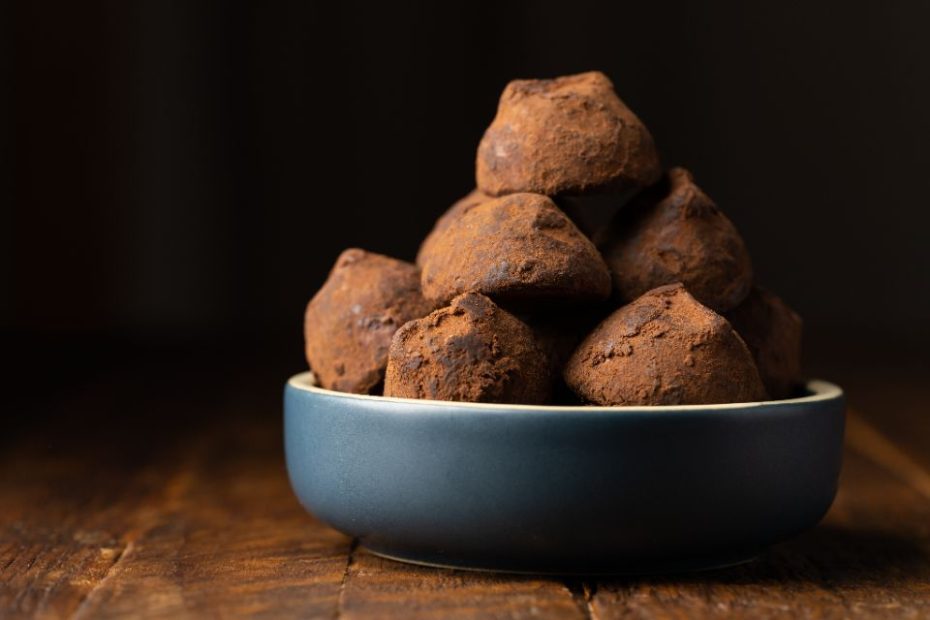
(569,490)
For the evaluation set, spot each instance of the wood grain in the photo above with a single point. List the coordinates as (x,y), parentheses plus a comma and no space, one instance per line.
(153,522)
(182,509)
(379,588)
(224,538)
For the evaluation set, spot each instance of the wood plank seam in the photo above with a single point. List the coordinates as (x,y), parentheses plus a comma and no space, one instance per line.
(583,595)
(350,558)
(873,445)
(84,603)
(588,591)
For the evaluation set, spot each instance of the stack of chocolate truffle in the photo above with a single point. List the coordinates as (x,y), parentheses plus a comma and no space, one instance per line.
(510,302)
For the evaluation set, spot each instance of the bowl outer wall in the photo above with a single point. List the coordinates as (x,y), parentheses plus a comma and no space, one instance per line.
(562,489)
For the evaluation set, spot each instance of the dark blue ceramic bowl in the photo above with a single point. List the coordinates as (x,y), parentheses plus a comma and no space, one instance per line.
(564,489)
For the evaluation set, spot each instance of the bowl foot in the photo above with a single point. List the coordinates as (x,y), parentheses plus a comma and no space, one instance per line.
(651,567)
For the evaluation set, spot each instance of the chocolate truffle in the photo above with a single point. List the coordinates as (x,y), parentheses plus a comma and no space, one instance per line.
(674,233)
(459,207)
(516,249)
(665,348)
(470,351)
(560,330)
(568,135)
(772,331)
(349,323)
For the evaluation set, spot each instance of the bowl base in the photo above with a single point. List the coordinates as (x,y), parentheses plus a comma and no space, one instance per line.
(689,565)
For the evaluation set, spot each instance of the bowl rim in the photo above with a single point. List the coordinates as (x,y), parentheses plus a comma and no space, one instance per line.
(819,391)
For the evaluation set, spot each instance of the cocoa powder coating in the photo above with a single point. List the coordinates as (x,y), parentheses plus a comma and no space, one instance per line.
(666,251)
(350,321)
(475,197)
(665,348)
(567,135)
(772,331)
(516,249)
(674,232)
(470,351)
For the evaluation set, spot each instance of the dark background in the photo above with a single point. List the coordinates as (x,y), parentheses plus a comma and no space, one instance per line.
(178,177)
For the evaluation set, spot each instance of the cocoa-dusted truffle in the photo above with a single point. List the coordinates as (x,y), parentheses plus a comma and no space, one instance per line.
(559,330)
(469,351)
(350,321)
(516,249)
(665,348)
(772,331)
(460,206)
(567,135)
(674,233)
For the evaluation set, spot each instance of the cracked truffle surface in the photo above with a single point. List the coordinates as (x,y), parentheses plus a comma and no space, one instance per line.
(474,198)
(350,321)
(674,232)
(665,348)
(471,351)
(518,248)
(567,135)
(772,331)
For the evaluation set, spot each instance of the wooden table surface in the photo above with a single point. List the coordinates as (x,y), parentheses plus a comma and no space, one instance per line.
(152,493)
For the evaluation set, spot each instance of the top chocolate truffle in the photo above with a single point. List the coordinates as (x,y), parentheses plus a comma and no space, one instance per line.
(664,349)
(568,135)
(516,249)
(674,232)
(469,351)
(349,323)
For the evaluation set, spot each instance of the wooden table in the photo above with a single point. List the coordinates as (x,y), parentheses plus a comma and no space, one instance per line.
(150,492)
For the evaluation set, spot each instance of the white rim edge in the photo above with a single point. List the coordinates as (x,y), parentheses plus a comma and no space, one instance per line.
(820,391)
